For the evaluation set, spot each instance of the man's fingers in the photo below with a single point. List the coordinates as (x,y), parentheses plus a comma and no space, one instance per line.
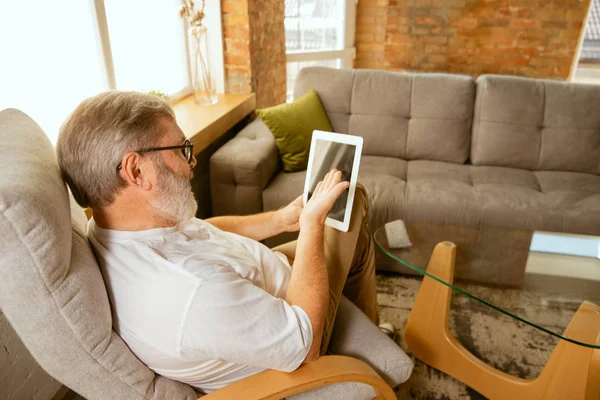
(298,201)
(328,184)
(333,177)
(326,179)
(340,187)
(318,188)
(337,191)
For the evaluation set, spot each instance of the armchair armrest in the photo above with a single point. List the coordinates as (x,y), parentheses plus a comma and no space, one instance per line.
(272,385)
(241,169)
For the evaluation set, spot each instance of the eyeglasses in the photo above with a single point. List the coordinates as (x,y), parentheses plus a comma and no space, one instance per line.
(187,149)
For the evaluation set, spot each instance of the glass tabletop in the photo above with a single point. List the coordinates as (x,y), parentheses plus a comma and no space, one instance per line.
(555,284)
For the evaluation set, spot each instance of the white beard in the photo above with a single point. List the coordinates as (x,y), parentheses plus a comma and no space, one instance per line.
(174,200)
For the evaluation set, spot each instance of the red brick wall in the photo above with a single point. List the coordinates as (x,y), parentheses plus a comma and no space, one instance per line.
(236,46)
(254,47)
(536,38)
(267,51)
(371,20)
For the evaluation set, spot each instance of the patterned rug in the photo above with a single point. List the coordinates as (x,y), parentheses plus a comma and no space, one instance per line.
(498,340)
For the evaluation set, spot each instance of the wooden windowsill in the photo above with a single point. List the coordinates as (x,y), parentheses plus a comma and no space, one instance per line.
(203,125)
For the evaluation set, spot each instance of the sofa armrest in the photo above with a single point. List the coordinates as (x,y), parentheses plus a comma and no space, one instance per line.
(241,169)
(324,371)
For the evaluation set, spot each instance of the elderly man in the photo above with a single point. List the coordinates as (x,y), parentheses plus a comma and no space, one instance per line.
(204,302)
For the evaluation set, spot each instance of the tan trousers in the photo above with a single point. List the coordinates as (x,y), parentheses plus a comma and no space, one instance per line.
(350,261)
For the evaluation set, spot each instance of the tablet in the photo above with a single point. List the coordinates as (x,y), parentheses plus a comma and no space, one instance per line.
(334,150)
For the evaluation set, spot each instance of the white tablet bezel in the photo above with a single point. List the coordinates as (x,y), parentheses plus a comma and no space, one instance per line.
(339,138)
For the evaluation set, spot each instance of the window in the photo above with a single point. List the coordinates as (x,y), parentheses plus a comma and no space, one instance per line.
(147,47)
(587,69)
(318,32)
(61,52)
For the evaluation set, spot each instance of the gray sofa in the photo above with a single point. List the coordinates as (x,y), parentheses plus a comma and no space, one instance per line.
(482,163)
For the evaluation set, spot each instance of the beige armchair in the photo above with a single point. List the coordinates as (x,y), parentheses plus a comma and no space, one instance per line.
(52,292)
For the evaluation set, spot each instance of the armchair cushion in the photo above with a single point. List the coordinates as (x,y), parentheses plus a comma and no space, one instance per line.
(292,125)
(355,335)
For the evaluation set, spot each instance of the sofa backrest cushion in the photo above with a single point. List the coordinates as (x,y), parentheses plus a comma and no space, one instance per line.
(51,289)
(404,115)
(536,124)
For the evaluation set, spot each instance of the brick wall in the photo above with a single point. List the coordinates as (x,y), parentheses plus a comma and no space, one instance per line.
(267,51)
(236,46)
(371,20)
(21,378)
(254,49)
(535,38)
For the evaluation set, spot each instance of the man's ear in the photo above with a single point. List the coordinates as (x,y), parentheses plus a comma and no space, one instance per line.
(135,172)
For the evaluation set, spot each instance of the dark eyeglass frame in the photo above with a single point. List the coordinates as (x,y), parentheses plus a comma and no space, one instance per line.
(187,149)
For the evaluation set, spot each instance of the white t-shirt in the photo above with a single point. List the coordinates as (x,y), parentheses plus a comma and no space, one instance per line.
(199,305)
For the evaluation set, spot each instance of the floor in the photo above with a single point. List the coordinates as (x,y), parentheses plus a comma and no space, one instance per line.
(498,340)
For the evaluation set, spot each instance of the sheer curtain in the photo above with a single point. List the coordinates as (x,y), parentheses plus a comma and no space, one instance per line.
(148,45)
(52,58)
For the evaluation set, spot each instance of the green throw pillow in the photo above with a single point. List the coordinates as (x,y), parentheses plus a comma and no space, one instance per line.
(292,124)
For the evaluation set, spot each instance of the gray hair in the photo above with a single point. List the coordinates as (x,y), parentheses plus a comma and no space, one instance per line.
(95,137)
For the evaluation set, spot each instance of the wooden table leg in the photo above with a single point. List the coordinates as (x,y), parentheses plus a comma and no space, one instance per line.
(572,372)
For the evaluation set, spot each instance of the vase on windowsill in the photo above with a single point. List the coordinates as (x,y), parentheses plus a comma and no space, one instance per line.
(203,83)
(202,79)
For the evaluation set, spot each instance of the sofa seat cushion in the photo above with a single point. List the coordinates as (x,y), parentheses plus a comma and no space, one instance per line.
(384,178)
(499,197)
(441,193)
(286,186)
(538,200)
(577,195)
(560,181)
(375,165)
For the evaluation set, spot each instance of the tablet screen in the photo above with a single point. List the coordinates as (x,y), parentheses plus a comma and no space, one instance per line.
(329,155)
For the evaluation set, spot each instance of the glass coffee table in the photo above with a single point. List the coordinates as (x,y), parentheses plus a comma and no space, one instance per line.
(573,369)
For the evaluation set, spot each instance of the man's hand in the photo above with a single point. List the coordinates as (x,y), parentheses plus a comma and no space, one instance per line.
(288,217)
(323,198)
(309,285)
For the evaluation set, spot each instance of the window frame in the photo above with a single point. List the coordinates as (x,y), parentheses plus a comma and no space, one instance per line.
(212,21)
(347,54)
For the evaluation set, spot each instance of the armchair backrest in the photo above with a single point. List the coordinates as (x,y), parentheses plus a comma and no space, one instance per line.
(51,289)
